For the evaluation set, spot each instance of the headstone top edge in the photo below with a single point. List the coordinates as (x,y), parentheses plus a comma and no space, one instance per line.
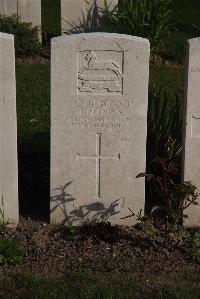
(100,34)
(6,35)
(195,40)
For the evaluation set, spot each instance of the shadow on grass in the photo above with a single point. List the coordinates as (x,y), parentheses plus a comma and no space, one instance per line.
(34,177)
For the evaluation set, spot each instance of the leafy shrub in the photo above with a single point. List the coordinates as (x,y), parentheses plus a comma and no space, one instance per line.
(145,18)
(26,36)
(10,252)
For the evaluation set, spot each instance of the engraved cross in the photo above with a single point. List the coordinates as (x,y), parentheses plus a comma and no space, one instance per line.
(98,157)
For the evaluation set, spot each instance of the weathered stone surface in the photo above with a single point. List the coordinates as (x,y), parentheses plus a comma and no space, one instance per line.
(8,7)
(81,15)
(98,131)
(191,157)
(28,10)
(8,131)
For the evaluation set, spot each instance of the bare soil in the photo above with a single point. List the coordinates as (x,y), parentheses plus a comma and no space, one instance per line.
(42,58)
(146,252)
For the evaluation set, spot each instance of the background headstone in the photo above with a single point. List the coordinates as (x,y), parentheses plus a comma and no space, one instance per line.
(8,7)
(191,160)
(8,131)
(29,10)
(81,15)
(98,131)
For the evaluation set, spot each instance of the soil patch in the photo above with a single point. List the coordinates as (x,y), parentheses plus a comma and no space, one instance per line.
(42,58)
(142,251)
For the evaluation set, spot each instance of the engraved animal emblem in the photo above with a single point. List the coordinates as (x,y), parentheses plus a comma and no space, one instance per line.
(99,75)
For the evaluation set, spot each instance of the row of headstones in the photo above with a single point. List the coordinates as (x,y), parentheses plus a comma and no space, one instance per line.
(99,102)
(76,15)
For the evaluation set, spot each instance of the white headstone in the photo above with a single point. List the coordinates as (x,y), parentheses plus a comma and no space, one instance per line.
(82,15)
(98,131)
(191,164)
(8,132)
(28,10)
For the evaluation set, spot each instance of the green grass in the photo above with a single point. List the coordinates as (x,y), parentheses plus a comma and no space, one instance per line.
(169,76)
(187,11)
(82,286)
(51,23)
(186,15)
(10,252)
(33,100)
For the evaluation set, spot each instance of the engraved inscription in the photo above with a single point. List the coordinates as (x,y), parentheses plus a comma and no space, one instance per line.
(100,72)
(195,129)
(101,113)
(195,69)
(98,157)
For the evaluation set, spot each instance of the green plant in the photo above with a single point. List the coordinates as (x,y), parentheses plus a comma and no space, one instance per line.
(73,233)
(26,36)
(172,198)
(163,138)
(3,222)
(191,244)
(10,252)
(149,19)
(164,121)
(166,194)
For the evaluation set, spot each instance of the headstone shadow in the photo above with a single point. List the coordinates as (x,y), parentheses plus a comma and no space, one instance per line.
(89,21)
(84,214)
(34,177)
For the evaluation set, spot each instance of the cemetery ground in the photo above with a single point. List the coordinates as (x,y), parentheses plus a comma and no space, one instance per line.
(98,261)
(88,262)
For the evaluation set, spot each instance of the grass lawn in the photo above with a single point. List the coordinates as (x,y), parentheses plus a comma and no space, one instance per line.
(186,15)
(187,11)
(33,99)
(171,77)
(87,286)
